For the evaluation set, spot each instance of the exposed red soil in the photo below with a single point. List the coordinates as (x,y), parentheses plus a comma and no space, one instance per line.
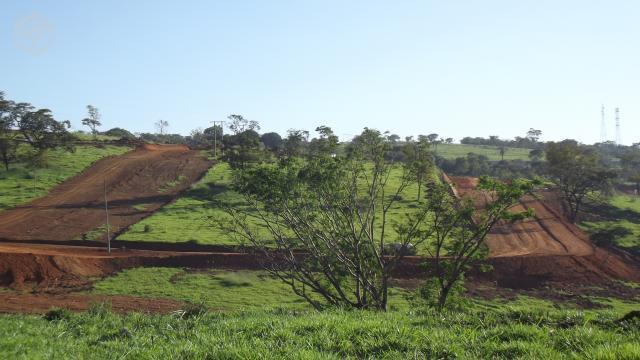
(546,248)
(148,177)
(54,268)
(41,303)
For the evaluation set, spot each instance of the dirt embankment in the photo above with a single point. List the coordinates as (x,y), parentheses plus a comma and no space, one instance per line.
(41,303)
(545,248)
(137,183)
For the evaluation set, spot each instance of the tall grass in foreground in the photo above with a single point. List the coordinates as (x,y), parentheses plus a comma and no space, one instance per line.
(505,333)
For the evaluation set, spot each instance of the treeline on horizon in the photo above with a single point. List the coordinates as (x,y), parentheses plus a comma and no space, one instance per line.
(241,143)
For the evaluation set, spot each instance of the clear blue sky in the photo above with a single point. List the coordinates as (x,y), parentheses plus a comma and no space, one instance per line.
(458,68)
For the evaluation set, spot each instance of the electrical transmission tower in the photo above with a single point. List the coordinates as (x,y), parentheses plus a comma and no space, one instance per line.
(618,133)
(603,127)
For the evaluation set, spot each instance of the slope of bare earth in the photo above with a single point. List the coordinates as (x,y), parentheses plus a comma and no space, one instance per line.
(545,247)
(137,184)
(547,233)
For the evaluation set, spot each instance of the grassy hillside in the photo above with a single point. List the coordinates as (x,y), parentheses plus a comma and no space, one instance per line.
(482,333)
(194,215)
(452,151)
(23,183)
(621,212)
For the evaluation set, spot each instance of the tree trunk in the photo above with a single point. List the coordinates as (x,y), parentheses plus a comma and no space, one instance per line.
(442,297)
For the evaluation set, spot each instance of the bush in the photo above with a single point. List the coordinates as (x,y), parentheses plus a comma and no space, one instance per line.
(192,310)
(147,228)
(58,314)
(430,291)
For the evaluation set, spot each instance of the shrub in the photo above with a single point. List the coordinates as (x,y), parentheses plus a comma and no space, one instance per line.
(57,314)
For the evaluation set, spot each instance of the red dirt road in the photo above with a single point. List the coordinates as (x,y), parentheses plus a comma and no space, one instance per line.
(138,183)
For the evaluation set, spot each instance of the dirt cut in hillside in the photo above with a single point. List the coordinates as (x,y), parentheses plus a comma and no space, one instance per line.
(137,183)
(546,247)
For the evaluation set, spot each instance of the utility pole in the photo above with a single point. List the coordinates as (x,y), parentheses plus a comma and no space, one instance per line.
(215,136)
(106,210)
(618,131)
(603,126)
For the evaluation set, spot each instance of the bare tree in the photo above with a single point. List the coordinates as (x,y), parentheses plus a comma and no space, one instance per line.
(162,126)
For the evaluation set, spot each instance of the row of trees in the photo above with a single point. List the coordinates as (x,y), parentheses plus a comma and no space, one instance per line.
(23,123)
(530,141)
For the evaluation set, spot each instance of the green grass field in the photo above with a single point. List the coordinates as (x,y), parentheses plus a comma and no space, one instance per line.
(23,183)
(623,211)
(504,332)
(452,151)
(219,290)
(86,136)
(194,215)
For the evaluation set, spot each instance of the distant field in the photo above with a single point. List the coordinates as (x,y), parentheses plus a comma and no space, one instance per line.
(194,215)
(623,211)
(23,183)
(451,151)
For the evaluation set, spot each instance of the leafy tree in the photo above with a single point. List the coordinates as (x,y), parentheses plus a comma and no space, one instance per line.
(502,150)
(242,148)
(448,140)
(8,151)
(212,131)
(533,135)
(577,172)
(432,137)
(8,144)
(296,142)
(536,154)
(93,120)
(494,140)
(630,162)
(198,139)
(458,229)
(394,138)
(162,126)
(42,131)
(120,133)
(328,219)
(239,124)
(272,141)
(419,160)
(325,144)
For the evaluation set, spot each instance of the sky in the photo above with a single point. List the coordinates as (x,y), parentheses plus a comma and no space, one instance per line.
(456,68)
